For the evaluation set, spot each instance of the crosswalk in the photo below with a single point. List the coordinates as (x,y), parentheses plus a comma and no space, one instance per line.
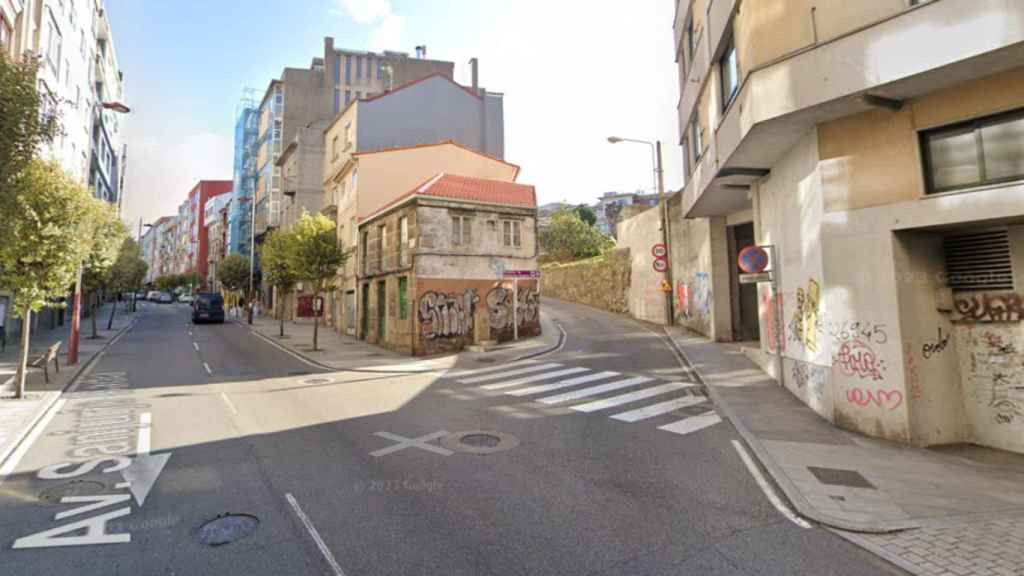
(587,391)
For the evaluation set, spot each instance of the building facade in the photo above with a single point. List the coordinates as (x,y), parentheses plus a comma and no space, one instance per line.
(433,276)
(613,207)
(890,194)
(239,236)
(215,219)
(198,240)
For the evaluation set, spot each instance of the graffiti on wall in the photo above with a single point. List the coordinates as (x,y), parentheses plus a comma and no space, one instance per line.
(1008,307)
(695,297)
(929,349)
(447,315)
(996,345)
(1005,404)
(500,302)
(857,359)
(804,325)
(913,377)
(775,332)
(887,400)
(809,376)
(867,331)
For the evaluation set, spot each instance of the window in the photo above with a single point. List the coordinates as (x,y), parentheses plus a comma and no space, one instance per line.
(380,70)
(337,70)
(278,96)
(403,241)
(348,97)
(382,245)
(348,136)
(461,231)
(348,72)
(369,67)
(337,100)
(334,148)
(983,151)
(359,66)
(698,150)
(403,301)
(510,233)
(365,257)
(53,46)
(730,73)
(355,230)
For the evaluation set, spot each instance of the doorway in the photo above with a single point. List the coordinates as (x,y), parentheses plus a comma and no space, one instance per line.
(349,325)
(381,311)
(364,318)
(746,325)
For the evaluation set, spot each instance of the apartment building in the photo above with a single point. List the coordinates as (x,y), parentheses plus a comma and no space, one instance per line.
(356,184)
(239,235)
(890,193)
(433,276)
(215,220)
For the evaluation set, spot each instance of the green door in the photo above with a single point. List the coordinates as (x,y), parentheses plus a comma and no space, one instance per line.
(381,312)
(364,317)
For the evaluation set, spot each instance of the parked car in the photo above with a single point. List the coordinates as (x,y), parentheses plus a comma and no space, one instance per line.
(153,295)
(140,295)
(185,298)
(165,298)
(208,307)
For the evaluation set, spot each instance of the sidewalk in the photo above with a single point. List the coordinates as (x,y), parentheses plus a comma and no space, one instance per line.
(950,511)
(18,416)
(343,352)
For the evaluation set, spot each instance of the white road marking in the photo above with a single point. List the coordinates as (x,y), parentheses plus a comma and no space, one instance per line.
(207,368)
(631,397)
(563,384)
(527,370)
(534,378)
(593,390)
(659,408)
(189,332)
(404,443)
(196,346)
(314,534)
(143,445)
(228,402)
(22,449)
(462,373)
(767,489)
(693,423)
(142,474)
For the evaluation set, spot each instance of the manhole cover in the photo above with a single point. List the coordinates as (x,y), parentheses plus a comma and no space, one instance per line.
(72,488)
(317,381)
(479,441)
(485,360)
(228,528)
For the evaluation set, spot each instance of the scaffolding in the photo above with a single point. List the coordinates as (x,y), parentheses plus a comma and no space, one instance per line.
(246,129)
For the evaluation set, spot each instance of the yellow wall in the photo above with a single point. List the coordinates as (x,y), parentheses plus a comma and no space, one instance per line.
(872,158)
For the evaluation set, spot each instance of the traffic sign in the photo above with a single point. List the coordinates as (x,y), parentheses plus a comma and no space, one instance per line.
(659,251)
(755,278)
(660,265)
(752,259)
(521,273)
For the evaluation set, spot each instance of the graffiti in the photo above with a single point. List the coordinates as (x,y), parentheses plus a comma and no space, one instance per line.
(702,293)
(849,329)
(497,266)
(685,296)
(913,377)
(448,315)
(806,375)
(888,400)
(499,302)
(856,359)
(803,327)
(995,344)
(774,331)
(1007,307)
(1005,406)
(929,349)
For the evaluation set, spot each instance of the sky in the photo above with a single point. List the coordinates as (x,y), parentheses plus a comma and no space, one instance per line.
(573,72)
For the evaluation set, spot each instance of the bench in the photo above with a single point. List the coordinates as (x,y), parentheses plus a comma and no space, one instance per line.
(43,361)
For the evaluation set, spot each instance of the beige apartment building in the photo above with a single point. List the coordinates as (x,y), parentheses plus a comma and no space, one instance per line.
(356,184)
(878,149)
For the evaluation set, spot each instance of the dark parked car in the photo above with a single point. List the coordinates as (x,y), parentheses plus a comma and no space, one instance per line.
(208,307)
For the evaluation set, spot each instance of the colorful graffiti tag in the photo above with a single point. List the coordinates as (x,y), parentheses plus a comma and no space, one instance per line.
(855,358)
(809,376)
(888,400)
(989,308)
(803,327)
(447,315)
(774,331)
(500,302)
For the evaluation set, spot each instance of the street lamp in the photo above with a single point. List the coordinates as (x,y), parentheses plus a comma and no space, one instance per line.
(666,237)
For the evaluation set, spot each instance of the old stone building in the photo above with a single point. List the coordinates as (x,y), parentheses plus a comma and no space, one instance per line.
(435,266)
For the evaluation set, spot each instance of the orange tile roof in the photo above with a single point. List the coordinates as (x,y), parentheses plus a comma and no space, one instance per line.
(468,189)
(441,143)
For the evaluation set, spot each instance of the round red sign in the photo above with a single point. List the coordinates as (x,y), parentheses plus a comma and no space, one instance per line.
(752,259)
(659,251)
(660,265)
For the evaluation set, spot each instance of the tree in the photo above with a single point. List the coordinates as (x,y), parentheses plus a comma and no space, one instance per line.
(278,268)
(233,272)
(586,214)
(107,232)
(567,237)
(127,272)
(166,283)
(316,256)
(190,279)
(28,119)
(44,238)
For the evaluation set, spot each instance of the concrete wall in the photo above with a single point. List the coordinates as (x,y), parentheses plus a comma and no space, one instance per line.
(639,234)
(601,282)
(700,271)
(302,173)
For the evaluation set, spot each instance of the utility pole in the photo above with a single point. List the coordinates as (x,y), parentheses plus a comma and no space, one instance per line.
(252,252)
(666,235)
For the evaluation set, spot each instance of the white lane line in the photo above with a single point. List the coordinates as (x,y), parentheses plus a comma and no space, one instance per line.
(767,489)
(189,332)
(145,424)
(534,378)
(228,402)
(659,408)
(316,535)
(207,368)
(631,397)
(196,346)
(527,370)
(593,390)
(563,384)
(19,453)
(693,423)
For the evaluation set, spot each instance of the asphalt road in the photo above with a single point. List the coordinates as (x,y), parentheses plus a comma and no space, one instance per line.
(618,465)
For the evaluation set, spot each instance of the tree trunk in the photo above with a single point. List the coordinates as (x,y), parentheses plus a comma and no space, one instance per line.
(282,320)
(316,322)
(92,313)
(23,354)
(110,321)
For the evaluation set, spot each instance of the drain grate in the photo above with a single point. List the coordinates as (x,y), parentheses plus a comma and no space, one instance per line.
(228,528)
(840,477)
(481,440)
(72,488)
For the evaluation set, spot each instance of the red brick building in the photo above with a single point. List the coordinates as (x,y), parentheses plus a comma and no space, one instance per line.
(197,199)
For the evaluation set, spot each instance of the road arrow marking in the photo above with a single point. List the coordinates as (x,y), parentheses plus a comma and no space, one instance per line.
(142,474)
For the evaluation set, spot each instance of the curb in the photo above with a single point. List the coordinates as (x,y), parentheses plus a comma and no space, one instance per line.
(779,476)
(293,353)
(57,394)
(553,348)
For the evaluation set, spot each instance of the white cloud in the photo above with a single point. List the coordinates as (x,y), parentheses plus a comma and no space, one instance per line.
(387,26)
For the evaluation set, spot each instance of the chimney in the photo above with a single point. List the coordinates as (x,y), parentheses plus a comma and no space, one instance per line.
(473,66)
(421,51)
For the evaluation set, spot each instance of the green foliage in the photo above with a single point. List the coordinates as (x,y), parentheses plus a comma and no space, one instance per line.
(23,128)
(190,279)
(586,214)
(276,261)
(567,237)
(233,272)
(107,233)
(129,269)
(45,234)
(166,283)
(315,254)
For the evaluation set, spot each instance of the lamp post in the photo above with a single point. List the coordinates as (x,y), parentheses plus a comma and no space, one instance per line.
(76,303)
(666,236)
